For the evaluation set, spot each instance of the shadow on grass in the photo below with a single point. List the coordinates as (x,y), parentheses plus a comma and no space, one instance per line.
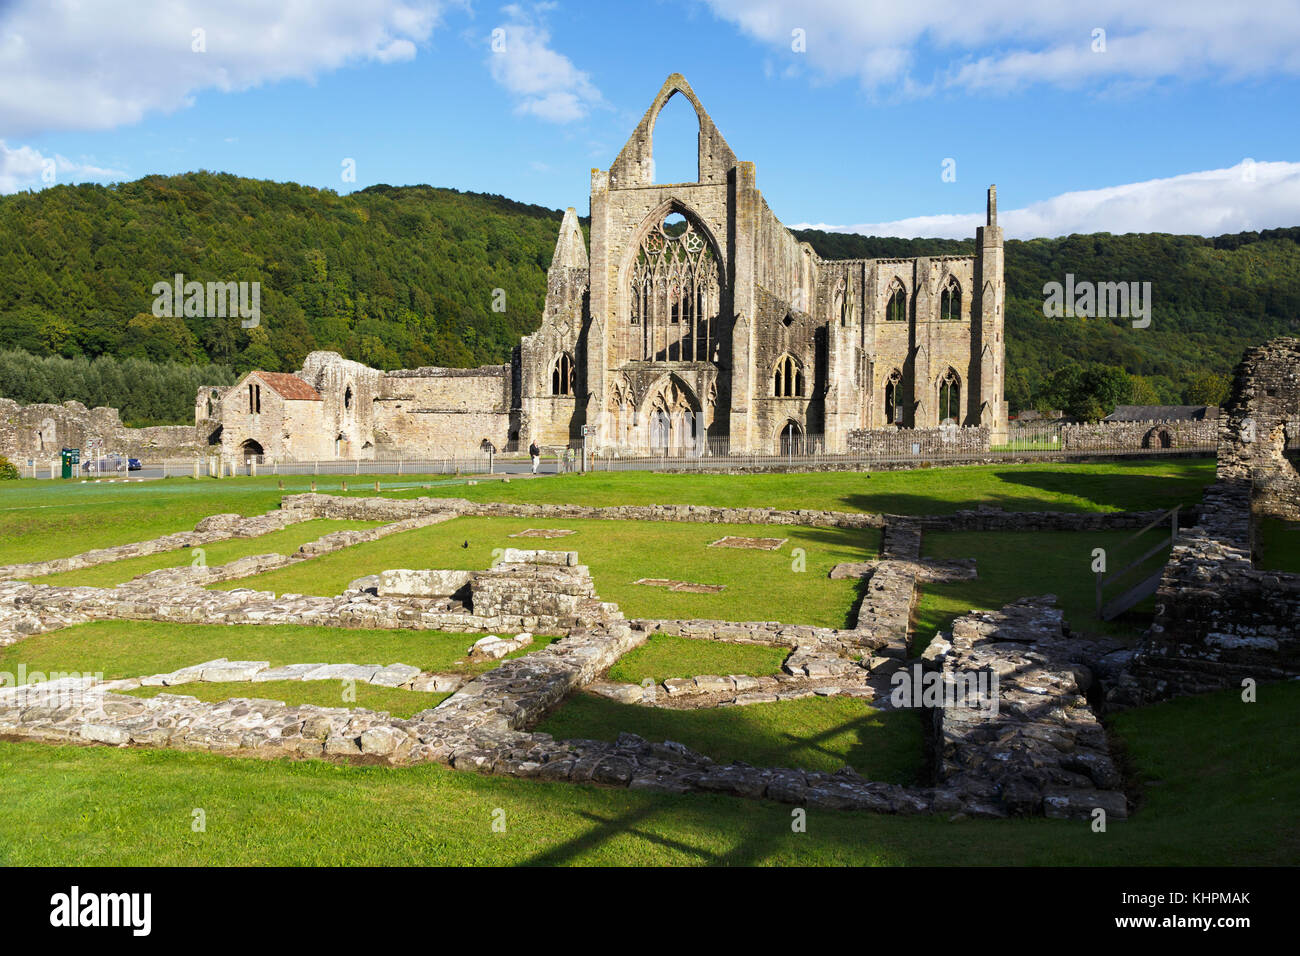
(817,733)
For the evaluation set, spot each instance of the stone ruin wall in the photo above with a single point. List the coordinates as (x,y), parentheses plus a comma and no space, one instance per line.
(1103,435)
(909,442)
(443,412)
(1263,415)
(39,432)
(1220,619)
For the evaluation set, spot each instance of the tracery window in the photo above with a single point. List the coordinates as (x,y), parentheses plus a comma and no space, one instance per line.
(893,398)
(562,375)
(950,301)
(787,378)
(950,398)
(675,292)
(896,308)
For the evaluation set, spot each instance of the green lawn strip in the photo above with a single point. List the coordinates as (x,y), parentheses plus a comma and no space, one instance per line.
(136,648)
(49,519)
(666,655)
(814,733)
(1137,485)
(284,541)
(323,693)
(1278,543)
(1229,785)
(45,519)
(760,585)
(1016,564)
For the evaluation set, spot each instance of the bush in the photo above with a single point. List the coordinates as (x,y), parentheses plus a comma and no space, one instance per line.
(8,471)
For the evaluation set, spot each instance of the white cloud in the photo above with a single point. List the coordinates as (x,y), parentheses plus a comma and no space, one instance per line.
(545,83)
(1248,196)
(74,65)
(881,42)
(23,167)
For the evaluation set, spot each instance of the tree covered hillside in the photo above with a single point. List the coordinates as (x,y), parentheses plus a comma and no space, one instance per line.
(405,276)
(396,277)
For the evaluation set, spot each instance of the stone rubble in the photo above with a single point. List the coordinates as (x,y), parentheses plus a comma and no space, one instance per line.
(1044,752)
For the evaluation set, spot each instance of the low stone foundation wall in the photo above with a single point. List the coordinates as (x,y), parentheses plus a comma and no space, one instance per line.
(318,505)
(1043,751)
(208,531)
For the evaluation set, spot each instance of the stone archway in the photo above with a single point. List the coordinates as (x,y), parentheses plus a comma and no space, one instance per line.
(790,440)
(672,418)
(251,450)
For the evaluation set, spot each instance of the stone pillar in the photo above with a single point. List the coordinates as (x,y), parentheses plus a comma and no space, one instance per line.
(987,319)
(744,209)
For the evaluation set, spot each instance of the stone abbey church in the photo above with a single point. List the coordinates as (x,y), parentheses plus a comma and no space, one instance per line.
(694,315)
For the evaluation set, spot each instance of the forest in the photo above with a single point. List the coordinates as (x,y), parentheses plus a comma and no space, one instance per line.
(400,277)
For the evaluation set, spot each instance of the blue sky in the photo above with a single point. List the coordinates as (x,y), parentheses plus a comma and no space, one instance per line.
(1181,117)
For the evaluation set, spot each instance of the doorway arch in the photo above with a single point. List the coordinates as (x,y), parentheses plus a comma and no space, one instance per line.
(791,438)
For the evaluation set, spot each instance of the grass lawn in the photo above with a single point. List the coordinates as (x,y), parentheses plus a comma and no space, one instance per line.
(42,519)
(815,733)
(52,519)
(666,655)
(324,693)
(136,648)
(1278,543)
(1221,787)
(1016,564)
(760,585)
(1050,486)
(284,541)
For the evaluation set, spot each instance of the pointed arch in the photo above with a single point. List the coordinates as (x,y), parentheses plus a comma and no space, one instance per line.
(672,281)
(893,398)
(562,375)
(674,416)
(896,301)
(950,397)
(950,300)
(788,379)
(663,163)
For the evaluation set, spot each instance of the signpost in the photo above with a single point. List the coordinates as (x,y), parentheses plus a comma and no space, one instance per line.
(70,459)
(586,431)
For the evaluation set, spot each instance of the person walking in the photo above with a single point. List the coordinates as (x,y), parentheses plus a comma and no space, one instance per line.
(568,458)
(536,454)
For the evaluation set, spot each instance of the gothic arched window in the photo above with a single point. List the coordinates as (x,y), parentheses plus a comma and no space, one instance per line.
(896,308)
(674,291)
(787,378)
(562,375)
(950,301)
(950,398)
(894,398)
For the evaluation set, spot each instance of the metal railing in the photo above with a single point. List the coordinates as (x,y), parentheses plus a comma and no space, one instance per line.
(1140,587)
(904,446)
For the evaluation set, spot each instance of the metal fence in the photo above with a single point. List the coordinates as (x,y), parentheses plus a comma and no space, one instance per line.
(792,452)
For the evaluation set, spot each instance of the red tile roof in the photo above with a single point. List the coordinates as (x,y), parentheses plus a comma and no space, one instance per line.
(289,387)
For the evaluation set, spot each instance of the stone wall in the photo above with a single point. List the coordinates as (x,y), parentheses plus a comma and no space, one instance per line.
(1220,620)
(1264,414)
(41,431)
(909,442)
(984,519)
(1156,435)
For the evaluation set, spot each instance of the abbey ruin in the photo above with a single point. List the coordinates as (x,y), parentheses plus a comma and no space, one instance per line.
(692,314)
